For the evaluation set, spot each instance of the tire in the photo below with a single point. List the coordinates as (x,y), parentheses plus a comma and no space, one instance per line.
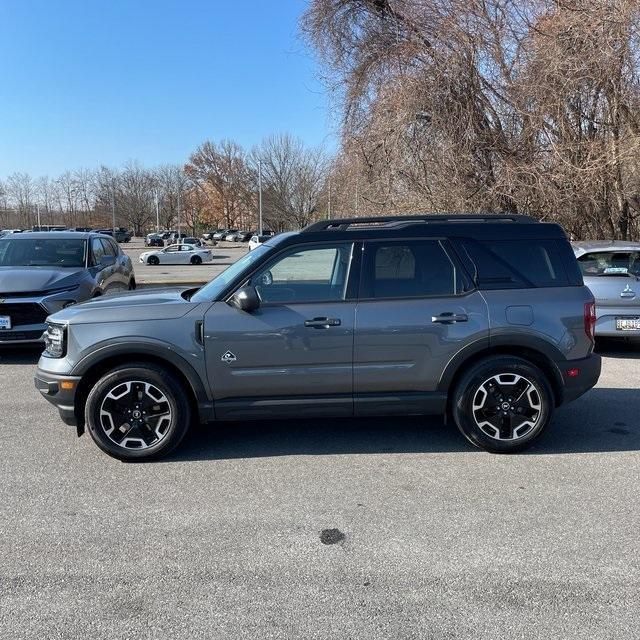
(196,260)
(153,261)
(502,404)
(123,392)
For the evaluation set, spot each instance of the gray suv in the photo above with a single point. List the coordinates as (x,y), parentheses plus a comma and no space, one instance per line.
(43,272)
(483,319)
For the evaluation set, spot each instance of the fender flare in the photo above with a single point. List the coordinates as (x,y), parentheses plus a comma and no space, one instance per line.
(146,347)
(551,354)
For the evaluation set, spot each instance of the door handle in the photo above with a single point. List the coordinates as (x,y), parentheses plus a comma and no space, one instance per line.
(323,323)
(450,318)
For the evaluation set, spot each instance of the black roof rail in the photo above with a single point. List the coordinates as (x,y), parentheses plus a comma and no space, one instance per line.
(342,224)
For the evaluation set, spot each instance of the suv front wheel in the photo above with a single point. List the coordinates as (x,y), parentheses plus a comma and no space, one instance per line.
(502,404)
(138,412)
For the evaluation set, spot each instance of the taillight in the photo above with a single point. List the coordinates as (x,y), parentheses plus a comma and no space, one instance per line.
(590,319)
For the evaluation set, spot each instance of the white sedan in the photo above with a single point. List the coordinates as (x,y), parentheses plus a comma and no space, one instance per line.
(177,254)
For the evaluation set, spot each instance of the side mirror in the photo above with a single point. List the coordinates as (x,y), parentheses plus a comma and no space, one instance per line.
(107,261)
(245,299)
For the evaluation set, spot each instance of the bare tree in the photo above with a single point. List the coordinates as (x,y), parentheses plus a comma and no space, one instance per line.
(488,105)
(135,197)
(221,172)
(21,191)
(171,187)
(293,178)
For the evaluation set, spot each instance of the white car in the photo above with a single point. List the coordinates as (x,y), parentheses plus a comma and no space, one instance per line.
(256,241)
(177,254)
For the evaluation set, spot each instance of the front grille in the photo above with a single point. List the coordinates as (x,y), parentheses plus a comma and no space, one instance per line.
(23,313)
(9,336)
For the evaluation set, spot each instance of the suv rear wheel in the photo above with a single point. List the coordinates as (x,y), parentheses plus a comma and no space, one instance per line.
(502,404)
(138,412)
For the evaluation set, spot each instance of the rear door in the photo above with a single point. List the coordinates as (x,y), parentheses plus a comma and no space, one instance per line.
(116,279)
(417,310)
(103,275)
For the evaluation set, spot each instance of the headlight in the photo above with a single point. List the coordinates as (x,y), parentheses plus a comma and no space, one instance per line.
(55,341)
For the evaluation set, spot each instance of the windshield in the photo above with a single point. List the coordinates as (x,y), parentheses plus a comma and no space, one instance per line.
(214,288)
(42,253)
(610,263)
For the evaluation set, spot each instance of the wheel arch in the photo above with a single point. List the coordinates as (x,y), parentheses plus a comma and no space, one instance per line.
(544,357)
(92,368)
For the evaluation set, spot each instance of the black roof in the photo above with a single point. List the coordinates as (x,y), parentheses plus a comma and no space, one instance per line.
(493,227)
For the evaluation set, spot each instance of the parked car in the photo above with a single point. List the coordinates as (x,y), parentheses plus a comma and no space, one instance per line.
(241,236)
(120,234)
(43,272)
(230,235)
(611,269)
(196,242)
(177,254)
(51,227)
(483,318)
(256,241)
(153,240)
(220,233)
(209,235)
(81,229)
(176,237)
(166,235)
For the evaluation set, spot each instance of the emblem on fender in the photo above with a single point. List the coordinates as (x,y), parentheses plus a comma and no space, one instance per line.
(228,357)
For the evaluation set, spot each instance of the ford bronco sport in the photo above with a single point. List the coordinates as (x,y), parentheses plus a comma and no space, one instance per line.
(484,319)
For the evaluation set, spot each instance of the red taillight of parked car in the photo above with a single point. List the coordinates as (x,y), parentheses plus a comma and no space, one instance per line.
(590,319)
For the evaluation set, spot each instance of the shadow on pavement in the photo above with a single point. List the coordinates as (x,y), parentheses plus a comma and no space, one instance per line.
(604,420)
(23,355)
(618,347)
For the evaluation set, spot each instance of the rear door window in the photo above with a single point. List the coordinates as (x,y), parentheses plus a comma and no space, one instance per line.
(409,269)
(98,250)
(108,248)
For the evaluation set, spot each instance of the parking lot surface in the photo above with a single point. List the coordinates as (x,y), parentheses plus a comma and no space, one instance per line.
(231,536)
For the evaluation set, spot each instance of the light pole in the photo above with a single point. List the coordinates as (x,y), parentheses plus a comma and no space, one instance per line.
(38,214)
(259,197)
(157,213)
(113,205)
(179,233)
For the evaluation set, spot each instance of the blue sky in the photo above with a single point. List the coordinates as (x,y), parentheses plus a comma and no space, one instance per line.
(107,81)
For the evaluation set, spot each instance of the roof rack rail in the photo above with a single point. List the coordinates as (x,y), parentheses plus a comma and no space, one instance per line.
(343,224)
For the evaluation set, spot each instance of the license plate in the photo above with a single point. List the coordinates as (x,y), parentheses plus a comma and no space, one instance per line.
(5,322)
(628,324)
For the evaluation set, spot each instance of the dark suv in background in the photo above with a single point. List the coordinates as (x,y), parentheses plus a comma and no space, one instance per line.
(483,319)
(43,272)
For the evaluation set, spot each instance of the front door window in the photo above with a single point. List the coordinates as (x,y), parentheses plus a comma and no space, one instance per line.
(313,274)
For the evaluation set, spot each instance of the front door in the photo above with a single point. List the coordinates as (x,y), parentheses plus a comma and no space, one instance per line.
(294,354)
(416,311)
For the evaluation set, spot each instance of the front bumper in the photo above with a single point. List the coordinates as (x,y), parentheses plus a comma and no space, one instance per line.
(29,334)
(588,374)
(60,391)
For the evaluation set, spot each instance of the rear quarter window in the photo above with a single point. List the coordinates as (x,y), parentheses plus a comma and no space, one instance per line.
(516,264)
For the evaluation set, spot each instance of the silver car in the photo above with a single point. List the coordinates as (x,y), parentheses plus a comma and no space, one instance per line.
(611,269)
(44,272)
